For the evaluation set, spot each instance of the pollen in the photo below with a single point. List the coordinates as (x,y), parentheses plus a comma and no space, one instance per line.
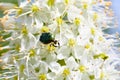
(45,29)
(66,2)
(82,68)
(102,75)
(95,16)
(42,77)
(24,30)
(19,11)
(35,8)
(92,31)
(50,48)
(85,6)
(77,21)
(32,52)
(71,42)
(51,2)
(59,21)
(66,72)
(87,46)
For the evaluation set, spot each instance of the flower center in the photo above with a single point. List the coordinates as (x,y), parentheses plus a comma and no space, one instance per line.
(45,29)
(50,48)
(32,52)
(19,11)
(92,31)
(42,77)
(35,8)
(82,68)
(71,42)
(51,2)
(95,16)
(85,6)
(59,21)
(66,2)
(66,72)
(87,46)
(24,30)
(102,75)
(77,21)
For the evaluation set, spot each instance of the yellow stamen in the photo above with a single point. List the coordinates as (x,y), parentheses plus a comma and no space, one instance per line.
(45,29)
(50,48)
(42,77)
(19,11)
(95,16)
(66,72)
(85,6)
(77,21)
(93,31)
(32,52)
(51,2)
(71,42)
(24,30)
(59,21)
(35,8)
(82,68)
(87,46)
(102,75)
(66,2)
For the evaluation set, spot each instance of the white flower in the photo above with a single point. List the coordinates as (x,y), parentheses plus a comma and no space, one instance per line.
(59,40)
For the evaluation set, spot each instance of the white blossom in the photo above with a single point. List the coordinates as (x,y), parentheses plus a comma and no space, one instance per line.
(74,46)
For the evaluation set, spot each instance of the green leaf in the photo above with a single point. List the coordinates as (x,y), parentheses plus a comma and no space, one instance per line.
(10,1)
(6,35)
(61,62)
(4,43)
(2,51)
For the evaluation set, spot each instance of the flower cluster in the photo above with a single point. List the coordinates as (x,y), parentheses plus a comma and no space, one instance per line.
(60,40)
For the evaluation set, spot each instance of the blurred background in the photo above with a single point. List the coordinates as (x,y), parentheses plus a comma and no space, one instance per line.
(7,1)
(116,8)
